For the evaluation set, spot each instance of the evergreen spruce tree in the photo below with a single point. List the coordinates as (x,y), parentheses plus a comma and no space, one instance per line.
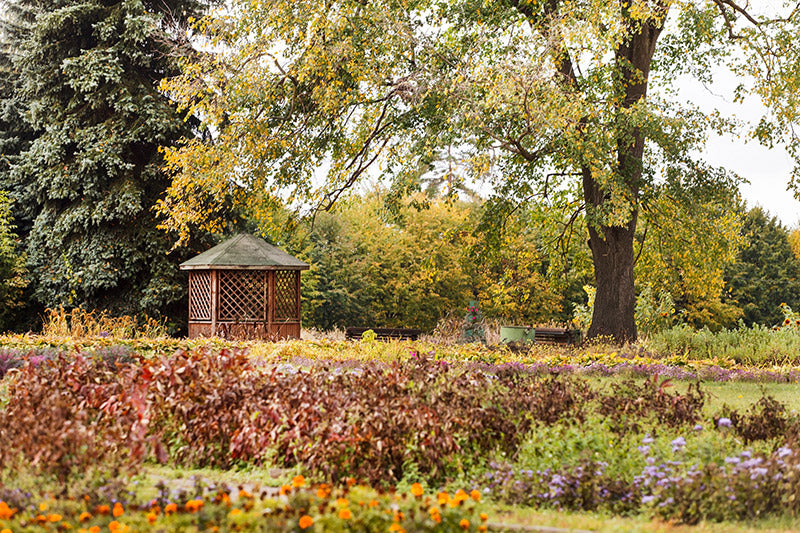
(766,272)
(16,133)
(89,73)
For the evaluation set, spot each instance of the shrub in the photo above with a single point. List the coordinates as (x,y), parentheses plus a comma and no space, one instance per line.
(67,417)
(629,403)
(370,422)
(766,419)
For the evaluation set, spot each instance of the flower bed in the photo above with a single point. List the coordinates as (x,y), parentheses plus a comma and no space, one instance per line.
(294,507)
(16,349)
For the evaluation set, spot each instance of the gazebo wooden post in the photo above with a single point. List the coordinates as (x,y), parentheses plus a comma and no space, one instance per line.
(214,301)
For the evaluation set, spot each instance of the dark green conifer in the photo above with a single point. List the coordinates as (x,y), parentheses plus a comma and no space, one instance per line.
(766,273)
(88,78)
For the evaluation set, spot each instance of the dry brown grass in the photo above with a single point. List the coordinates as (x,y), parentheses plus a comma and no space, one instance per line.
(80,323)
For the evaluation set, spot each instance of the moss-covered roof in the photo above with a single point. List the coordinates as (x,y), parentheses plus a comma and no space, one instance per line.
(244,252)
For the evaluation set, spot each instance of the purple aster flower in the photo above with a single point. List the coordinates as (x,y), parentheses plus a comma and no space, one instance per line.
(724,422)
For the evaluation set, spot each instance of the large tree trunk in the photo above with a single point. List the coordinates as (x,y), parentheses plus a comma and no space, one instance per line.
(612,246)
(612,254)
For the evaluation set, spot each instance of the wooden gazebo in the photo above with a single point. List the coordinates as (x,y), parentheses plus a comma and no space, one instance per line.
(244,288)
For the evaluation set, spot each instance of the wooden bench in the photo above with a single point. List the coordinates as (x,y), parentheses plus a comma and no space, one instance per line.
(557,336)
(385,334)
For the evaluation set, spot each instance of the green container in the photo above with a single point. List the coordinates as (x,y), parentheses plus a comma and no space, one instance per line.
(517,334)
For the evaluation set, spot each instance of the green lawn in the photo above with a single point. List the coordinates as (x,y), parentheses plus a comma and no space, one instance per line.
(739,395)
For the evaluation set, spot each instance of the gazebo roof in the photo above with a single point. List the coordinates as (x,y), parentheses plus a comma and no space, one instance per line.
(244,252)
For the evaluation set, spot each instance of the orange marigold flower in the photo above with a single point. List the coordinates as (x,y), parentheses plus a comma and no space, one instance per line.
(351,481)
(54,517)
(305,522)
(461,495)
(373,503)
(6,512)
(151,517)
(285,489)
(170,508)
(43,506)
(118,510)
(298,482)
(193,506)
(323,491)
(484,517)
(235,511)
(94,529)
(464,523)
(395,527)
(475,495)
(417,490)
(6,530)
(245,494)
(483,528)
(114,526)
(85,516)
(345,514)
(342,502)
(42,519)
(443,498)
(103,509)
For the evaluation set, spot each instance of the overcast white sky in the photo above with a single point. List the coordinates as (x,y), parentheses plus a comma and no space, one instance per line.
(766,169)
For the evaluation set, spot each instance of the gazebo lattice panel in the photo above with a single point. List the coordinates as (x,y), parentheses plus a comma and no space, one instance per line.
(286,295)
(200,296)
(242,295)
